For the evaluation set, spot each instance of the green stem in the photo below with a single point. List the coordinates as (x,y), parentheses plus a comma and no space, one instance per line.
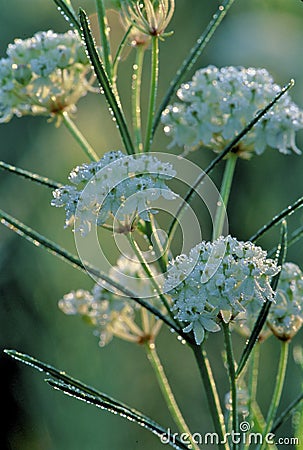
(120,49)
(253,377)
(277,392)
(78,136)
(149,273)
(30,175)
(136,98)
(192,57)
(153,92)
(232,379)
(212,395)
(104,34)
(161,254)
(224,193)
(167,392)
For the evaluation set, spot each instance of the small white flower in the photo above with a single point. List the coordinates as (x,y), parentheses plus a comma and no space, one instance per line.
(43,75)
(286,315)
(227,276)
(112,315)
(117,186)
(218,103)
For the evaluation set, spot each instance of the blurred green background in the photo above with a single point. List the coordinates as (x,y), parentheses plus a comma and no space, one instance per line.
(260,33)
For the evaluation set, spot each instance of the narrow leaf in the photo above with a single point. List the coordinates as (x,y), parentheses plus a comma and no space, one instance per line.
(122,411)
(194,53)
(190,194)
(68,14)
(284,213)
(295,236)
(281,254)
(75,388)
(286,413)
(41,241)
(30,175)
(104,82)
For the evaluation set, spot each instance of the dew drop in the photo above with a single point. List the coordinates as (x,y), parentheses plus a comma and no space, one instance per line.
(221,8)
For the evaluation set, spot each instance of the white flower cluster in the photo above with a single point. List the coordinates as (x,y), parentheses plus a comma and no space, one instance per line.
(110,314)
(117,186)
(227,275)
(286,315)
(218,103)
(43,75)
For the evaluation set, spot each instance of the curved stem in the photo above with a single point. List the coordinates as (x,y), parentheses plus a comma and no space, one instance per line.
(212,395)
(104,34)
(153,92)
(136,98)
(232,379)
(224,192)
(167,392)
(119,53)
(277,392)
(78,136)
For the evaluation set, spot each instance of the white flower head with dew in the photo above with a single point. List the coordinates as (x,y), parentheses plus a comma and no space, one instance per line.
(286,313)
(44,75)
(229,275)
(118,186)
(217,104)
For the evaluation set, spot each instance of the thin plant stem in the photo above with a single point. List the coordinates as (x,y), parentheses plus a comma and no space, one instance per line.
(278,218)
(153,92)
(151,230)
(224,193)
(115,106)
(232,379)
(120,49)
(78,136)
(192,57)
(30,175)
(104,35)
(149,273)
(136,98)
(167,393)
(253,377)
(212,395)
(287,413)
(277,392)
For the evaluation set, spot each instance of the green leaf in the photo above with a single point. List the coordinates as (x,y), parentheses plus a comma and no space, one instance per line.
(105,84)
(275,220)
(75,388)
(281,254)
(286,413)
(68,14)
(194,53)
(41,241)
(30,175)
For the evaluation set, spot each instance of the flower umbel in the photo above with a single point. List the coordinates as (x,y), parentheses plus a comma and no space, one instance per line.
(227,276)
(217,104)
(118,186)
(112,315)
(43,75)
(286,315)
(149,17)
